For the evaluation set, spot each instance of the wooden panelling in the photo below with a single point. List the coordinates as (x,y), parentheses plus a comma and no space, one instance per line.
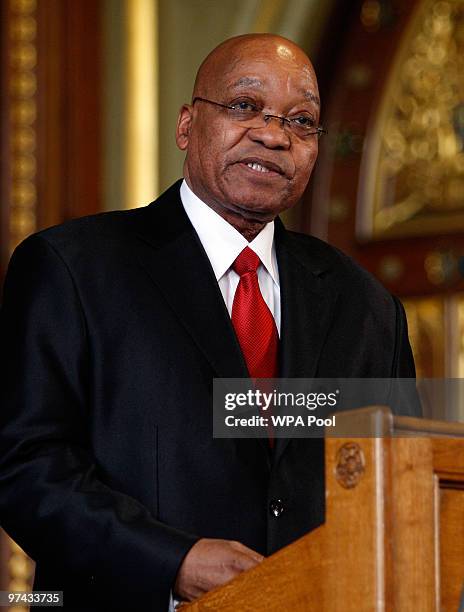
(64,104)
(69,114)
(451,557)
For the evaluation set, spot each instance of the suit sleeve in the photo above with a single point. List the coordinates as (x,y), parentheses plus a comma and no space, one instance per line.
(404,397)
(52,501)
(403,361)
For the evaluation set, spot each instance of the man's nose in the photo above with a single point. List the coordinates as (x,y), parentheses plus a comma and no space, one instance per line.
(271,133)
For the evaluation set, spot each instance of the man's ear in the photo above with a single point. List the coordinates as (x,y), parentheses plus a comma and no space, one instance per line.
(184,122)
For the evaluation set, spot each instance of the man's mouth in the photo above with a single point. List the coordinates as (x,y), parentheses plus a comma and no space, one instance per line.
(259,167)
(262,166)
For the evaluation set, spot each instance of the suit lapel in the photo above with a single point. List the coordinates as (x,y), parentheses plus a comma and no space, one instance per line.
(307,300)
(170,251)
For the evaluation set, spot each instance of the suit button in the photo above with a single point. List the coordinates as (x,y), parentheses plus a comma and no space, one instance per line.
(276,507)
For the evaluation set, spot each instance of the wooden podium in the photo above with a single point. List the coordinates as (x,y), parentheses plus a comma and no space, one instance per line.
(393,539)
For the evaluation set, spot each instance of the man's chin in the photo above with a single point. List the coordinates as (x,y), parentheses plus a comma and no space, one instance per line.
(267,194)
(255,209)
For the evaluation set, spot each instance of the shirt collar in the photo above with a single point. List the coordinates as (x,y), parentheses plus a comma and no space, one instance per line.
(221,241)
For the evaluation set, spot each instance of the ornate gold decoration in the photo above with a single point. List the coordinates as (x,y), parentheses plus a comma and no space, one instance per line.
(427,328)
(441,267)
(22,89)
(21,569)
(350,465)
(413,169)
(22,162)
(391,268)
(459,338)
(376,14)
(436,332)
(370,14)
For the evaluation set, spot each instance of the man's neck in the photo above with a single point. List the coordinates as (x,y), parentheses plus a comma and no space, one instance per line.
(248,227)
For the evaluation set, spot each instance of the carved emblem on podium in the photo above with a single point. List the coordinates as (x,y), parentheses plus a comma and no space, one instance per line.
(350,465)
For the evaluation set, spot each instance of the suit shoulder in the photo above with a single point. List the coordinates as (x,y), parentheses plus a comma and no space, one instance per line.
(343,269)
(110,230)
(116,222)
(94,234)
(89,242)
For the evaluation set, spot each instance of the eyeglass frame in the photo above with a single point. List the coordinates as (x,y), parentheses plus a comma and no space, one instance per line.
(319,130)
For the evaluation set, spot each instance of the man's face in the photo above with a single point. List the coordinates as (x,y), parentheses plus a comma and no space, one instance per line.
(220,151)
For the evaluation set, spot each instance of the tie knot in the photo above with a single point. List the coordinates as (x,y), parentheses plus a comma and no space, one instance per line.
(247,261)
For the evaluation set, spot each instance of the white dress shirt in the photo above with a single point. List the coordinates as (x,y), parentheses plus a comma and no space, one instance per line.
(223,244)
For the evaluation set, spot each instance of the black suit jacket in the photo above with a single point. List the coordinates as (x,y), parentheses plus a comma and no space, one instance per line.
(112,329)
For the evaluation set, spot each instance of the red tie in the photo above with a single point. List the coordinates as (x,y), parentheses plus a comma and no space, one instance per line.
(253,321)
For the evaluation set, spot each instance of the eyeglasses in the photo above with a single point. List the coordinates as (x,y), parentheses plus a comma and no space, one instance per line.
(301,125)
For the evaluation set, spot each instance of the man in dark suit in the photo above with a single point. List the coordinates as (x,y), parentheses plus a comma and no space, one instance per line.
(114,326)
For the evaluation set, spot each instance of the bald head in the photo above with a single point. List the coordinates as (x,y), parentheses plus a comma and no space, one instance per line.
(222,60)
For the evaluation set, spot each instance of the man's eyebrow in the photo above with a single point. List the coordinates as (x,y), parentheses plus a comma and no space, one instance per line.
(254,82)
(247,82)
(312,97)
